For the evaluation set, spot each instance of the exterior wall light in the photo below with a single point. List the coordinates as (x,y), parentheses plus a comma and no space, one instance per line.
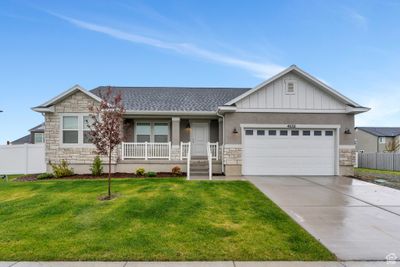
(188,126)
(347,131)
(235,131)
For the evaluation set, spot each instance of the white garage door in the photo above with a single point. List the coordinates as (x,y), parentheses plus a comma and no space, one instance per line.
(288,152)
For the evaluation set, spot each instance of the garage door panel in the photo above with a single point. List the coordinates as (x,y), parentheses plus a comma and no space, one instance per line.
(289,155)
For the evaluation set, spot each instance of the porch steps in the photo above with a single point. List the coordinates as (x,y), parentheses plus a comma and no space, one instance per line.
(199,167)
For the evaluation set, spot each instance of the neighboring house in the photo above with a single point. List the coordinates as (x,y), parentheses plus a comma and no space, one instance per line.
(35,136)
(291,124)
(375,139)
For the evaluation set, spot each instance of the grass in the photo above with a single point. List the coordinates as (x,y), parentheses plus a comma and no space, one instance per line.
(377,171)
(12,177)
(381,177)
(152,220)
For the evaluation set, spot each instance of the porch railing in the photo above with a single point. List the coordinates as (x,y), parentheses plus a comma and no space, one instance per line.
(185,150)
(213,149)
(146,150)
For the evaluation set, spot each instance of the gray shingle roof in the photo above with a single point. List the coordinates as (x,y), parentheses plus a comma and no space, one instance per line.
(23,140)
(173,98)
(382,131)
(38,128)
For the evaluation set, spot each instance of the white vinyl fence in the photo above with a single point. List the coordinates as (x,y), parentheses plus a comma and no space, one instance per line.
(22,159)
(379,161)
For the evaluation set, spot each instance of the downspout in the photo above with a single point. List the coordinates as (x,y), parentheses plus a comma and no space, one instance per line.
(223,141)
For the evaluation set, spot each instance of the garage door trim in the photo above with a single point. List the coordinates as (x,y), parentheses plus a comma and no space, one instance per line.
(335,127)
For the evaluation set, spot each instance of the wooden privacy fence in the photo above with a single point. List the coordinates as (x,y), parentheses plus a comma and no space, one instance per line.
(22,159)
(379,161)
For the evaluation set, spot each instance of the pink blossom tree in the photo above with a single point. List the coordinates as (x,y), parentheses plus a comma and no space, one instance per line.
(106,127)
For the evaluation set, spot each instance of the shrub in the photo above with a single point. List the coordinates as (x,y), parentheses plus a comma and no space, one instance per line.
(97,167)
(62,169)
(151,174)
(140,172)
(45,176)
(176,171)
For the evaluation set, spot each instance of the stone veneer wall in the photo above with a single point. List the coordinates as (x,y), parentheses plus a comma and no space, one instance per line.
(75,155)
(347,159)
(233,159)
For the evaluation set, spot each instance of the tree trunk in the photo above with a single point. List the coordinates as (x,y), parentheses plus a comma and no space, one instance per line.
(109,174)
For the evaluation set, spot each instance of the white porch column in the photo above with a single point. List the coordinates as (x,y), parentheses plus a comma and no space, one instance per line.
(175,138)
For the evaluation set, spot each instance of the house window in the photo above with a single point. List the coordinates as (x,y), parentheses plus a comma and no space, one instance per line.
(382,140)
(295,132)
(75,129)
(87,120)
(290,87)
(143,132)
(70,130)
(272,132)
(157,132)
(306,133)
(161,132)
(260,132)
(38,138)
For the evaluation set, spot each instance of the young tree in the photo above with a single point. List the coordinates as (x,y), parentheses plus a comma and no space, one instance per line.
(106,126)
(392,146)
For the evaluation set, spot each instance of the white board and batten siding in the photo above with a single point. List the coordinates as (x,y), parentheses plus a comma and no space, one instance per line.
(274,97)
(22,159)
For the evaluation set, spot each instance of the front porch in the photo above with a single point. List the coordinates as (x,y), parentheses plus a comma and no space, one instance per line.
(162,143)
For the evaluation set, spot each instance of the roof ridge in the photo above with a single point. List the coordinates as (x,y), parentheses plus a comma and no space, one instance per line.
(172,87)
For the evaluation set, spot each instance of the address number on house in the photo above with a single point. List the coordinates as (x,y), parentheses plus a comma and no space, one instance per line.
(291,126)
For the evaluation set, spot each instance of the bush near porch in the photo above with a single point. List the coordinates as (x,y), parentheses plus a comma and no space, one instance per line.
(152,219)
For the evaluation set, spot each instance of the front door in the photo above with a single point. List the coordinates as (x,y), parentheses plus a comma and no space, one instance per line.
(199,138)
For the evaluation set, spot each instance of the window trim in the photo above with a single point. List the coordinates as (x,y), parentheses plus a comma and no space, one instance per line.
(80,130)
(152,124)
(287,82)
(382,140)
(34,138)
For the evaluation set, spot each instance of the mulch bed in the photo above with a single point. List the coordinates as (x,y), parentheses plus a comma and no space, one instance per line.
(33,177)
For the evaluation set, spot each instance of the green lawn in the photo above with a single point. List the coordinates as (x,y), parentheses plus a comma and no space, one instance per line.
(152,219)
(397,173)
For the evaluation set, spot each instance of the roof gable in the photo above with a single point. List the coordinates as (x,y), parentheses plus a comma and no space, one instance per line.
(46,106)
(325,89)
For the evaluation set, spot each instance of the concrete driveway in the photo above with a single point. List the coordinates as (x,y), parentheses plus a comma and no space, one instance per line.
(353,219)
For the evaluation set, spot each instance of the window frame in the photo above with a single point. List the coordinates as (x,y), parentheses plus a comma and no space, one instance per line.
(152,130)
(34,138)
(80,130)
(290,81)
(382,140)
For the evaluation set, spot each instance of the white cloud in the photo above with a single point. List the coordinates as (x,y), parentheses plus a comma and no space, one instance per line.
(261,70)
(385,109)
(357,18)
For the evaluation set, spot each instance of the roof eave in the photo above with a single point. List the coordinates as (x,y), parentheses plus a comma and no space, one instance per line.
(226,109)
(356,110)
(41,109)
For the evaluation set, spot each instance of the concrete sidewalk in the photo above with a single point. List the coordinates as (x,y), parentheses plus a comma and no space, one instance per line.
(200,264)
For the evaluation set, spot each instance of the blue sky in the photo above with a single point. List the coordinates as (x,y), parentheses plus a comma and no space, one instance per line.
(48,46)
